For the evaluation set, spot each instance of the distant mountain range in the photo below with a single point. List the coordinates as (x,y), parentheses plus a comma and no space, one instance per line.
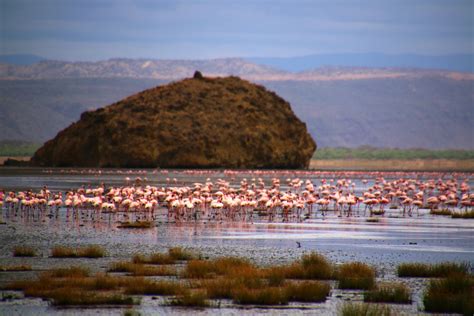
(177,69)
(455,62)
(342,106)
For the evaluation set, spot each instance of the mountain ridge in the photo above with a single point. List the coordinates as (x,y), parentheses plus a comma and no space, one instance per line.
(179,69)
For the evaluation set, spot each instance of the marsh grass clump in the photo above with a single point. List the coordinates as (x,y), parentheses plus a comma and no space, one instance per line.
(453,294)
(131,312)
(378,212)
(316,266)
(155,258)
(201,269)
(307,291)
(362,309)
(70,272)
(263,296)
(356,275)
(180,254)
(23,251)
(466,215)
(372,219)
(74,286)
(442,212)
(137,224)
(93,251)
(81,298)
(141,286)
(23,267)
(63,252)
(275,275)
(191,299)
(423,270)
(138,269)
(220,288)
(397,293)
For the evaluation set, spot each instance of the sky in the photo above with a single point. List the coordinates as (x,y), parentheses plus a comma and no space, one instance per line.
(102,29)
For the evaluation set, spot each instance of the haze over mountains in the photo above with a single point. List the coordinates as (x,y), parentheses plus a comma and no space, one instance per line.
(342,106)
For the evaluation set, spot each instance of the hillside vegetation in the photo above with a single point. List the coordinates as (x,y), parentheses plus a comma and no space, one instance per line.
(17,148)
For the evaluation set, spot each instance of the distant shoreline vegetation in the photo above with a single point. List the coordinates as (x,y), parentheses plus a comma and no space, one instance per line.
(373,153)
(12,148)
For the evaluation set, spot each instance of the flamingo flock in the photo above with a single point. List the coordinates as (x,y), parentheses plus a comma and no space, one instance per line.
(276,199)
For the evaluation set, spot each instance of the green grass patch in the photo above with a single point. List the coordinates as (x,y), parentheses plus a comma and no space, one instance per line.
(17,148)
(373,153)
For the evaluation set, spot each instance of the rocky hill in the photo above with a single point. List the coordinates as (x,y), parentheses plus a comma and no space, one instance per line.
(194,123)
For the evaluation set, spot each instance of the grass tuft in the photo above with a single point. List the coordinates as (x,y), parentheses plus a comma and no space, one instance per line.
(361,309)
(191,299)
(307,291)
(92,251)
(77,297)
(24,251)
(141,286)
(264,296)
(442,212)
(137,224)
(23,267)
(70,272)
(201,269)
(397,293)
(155,258)
(453,294)
(356,275)
(180,254)
(423,270)
(138,269)
(372,219)
(467,214)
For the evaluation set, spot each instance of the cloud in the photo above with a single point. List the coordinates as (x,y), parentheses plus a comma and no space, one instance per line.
(198,29)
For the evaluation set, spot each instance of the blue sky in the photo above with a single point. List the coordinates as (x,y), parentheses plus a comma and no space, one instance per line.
(93,30)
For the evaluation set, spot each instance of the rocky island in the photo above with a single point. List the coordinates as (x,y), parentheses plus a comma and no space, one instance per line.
(198,122)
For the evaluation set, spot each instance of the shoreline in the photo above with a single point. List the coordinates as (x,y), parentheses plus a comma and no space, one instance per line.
(368,164)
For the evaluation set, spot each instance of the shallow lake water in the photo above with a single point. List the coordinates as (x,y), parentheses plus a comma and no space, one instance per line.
(394,239)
